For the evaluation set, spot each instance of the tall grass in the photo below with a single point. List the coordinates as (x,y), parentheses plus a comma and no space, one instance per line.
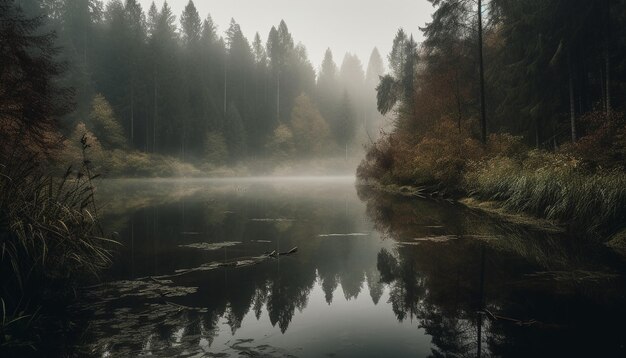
(48,225)
(49,234)
(594,202)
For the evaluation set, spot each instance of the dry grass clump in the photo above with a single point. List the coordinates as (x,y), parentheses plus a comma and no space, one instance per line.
(553,187)
(48,226)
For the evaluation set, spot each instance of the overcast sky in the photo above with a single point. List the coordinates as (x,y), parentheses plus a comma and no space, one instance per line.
(355,26)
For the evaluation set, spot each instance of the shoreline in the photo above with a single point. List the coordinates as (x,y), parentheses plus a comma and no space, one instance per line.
(616,241)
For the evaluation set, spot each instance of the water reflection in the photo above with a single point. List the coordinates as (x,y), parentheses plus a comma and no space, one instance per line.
(497,289)
(373,275)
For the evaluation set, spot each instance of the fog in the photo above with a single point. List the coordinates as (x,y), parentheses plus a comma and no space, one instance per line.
(343,25)
(223,88)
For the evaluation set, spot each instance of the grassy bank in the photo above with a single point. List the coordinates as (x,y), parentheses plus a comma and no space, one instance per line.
(592,201)
(581,186)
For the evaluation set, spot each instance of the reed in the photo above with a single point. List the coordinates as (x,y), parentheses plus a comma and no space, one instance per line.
(591,202)
(49,236)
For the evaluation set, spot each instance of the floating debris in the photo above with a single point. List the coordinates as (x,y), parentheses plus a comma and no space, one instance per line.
(147,288)
(244,347)
(272,220)
(211,246)
(483,237)
(126,313)
(234,263)
(275,254)
(344,235)
(576,276)
(517,322)
(262,241)
(437,239)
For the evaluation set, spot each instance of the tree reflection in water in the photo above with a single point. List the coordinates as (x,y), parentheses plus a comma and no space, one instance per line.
(438,288)
(453,287)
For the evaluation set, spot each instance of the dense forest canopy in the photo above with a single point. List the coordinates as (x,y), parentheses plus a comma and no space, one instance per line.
(174,85)
(546,63)
(518,103)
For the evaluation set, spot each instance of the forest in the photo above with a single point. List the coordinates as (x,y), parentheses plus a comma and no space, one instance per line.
(160,95)
(149,159)
(516,107)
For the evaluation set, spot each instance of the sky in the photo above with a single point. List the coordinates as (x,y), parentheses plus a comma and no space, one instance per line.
(355,26)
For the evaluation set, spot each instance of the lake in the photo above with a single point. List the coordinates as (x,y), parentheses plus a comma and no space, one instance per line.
(209,268)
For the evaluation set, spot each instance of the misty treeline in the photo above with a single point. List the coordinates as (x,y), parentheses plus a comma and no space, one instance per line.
(176,85)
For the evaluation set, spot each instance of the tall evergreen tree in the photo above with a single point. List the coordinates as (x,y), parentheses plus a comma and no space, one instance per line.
(375,70)
(191,25)
(328,89)
(31,101)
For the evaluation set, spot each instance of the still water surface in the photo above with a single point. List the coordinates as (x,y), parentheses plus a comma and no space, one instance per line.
(373,276)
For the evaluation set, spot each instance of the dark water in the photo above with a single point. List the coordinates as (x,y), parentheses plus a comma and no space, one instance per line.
(373,276)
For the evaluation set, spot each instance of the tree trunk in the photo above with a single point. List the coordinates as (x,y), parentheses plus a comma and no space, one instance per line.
(572,100)
(483,114)
(132,114)
(607,54)
(537,134)
(458,99)
(225,79)
(278,97)
(156,112)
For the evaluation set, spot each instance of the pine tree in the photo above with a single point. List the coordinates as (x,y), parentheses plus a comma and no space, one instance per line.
(352,75)
(375,70)
(168,96)
(153,19)
(212,59)
(328,90)
(399,86)
(397,55)
(31,101)
(191,25)
(191,34)
(260,55)
(453,18)
(136,52)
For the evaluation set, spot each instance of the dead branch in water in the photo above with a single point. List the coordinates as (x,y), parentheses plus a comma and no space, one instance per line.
(515,321)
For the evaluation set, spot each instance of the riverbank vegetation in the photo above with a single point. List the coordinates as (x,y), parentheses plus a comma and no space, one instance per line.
(524,109)
(50,237)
